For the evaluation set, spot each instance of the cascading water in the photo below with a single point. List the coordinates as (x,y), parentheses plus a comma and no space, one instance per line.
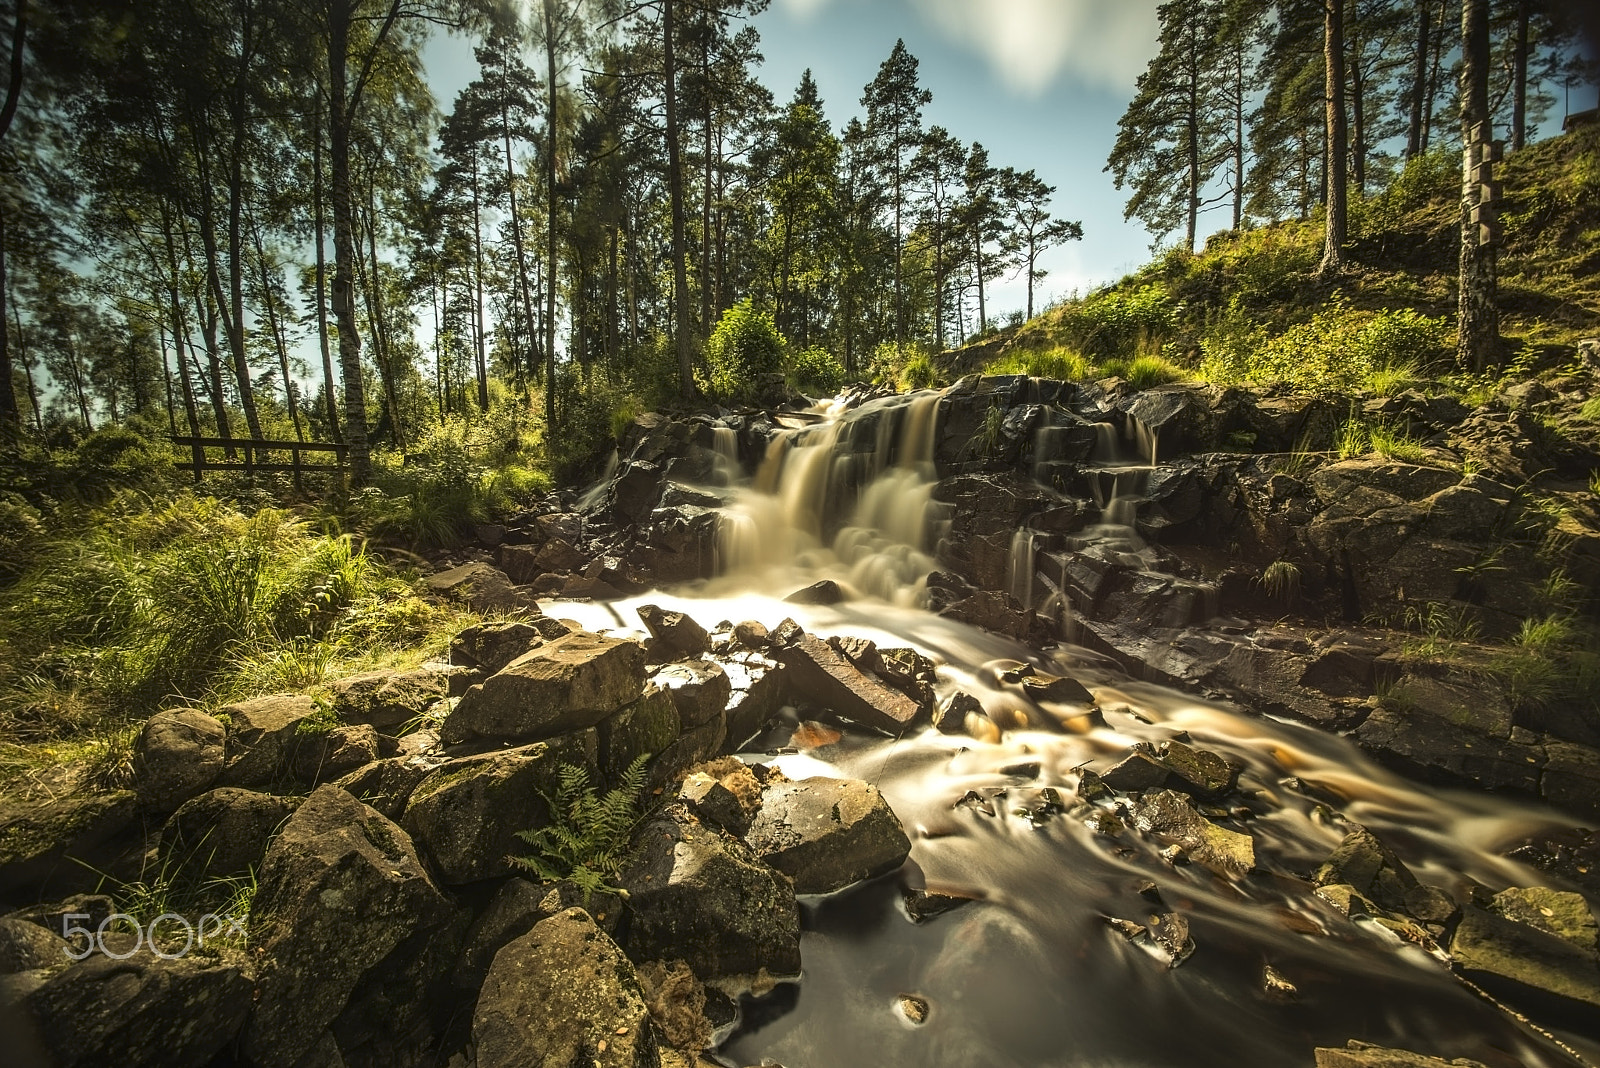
(1032,966)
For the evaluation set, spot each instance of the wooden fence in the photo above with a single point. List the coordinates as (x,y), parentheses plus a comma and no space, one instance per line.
(255,454)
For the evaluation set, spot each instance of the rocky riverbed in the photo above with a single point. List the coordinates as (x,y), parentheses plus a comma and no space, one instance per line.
(974,736)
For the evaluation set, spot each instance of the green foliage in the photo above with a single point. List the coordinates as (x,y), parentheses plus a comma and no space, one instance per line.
(1119,323)
(1281,580)
(1425,180)
(1352,440)
(1395,444)
(21,535)
(147,601)
(173,890)
(816,372)
(595,411)
(744,345)
(1337,351)
(587,837)
(1143,372)
(1590,412)
(1058,363)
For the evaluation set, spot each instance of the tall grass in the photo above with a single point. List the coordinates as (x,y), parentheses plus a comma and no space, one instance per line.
(187,600)
(1056,362)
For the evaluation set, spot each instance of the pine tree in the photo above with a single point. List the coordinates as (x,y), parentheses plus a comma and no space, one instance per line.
(894,101)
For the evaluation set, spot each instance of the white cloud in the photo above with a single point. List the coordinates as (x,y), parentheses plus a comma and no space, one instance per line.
(802,8)
(1104,43)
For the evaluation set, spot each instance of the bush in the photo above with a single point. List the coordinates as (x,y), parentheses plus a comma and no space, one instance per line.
(816,372)
(1061,364)
(1120,323)
(1337,351)
(745,345)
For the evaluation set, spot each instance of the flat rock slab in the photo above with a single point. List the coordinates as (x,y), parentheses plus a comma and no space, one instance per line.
(827,833)
(482,588)
(822,675)
(563,994)
(1364,1055)
(567,684)
(1531,968)
(1560,912)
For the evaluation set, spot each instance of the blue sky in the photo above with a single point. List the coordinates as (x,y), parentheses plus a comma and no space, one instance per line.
(1040,83)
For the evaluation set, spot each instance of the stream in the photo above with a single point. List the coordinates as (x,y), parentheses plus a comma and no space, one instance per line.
(1025,966)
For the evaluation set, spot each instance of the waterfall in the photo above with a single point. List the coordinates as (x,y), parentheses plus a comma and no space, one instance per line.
(725,446)
(843,499)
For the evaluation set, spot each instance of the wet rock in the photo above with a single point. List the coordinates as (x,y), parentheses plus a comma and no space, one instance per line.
(1371,868)
(339,890)
(557,555)
(263,736)
(56,846)
(676,633)
(1137,771)
(644,728)
(1531,968)
(491,646)
(693,746)
(567,684)
(913,1008)
(387,700)
(951,716)
(1276,986)
(221,833)
(1043,687)
(1568,853)
(698,894)
(760,687)
(723,792)
(824,592)
(141,1011)
(1559,912)
(482,588)
(750,634)
(636,491)
(785,633)
(1168,815)
(827,833)
(323,756)
(25,946)
(177,755)
(922,905)
(512,913)
(465,814)
(563,994)
(1165,936)
(1357,1054)
(1432,749)
(700,689)
(387,784)
(821,675)
(1197,771)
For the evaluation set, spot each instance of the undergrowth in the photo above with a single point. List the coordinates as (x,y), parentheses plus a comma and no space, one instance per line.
(587,837)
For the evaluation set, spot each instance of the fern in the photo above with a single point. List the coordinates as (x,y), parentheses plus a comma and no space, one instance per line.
(588,834)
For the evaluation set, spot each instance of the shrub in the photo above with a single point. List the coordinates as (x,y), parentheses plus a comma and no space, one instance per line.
(1119,322)
(745,345)
(1146,371)
(1061,364)
(816,372)
(1337,351)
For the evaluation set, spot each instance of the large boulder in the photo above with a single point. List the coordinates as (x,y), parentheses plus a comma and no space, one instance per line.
(222,832)
(491,646)
(563,994)
(1533,969)
(57,846)
(645,728)
(178,754)
(387,700)
(465,815)
(322,756)
(827,833)
(482,588)
(567,684)
(145,1010)
(387,784)
(512,912)
(698,894)
(339,890)
(26,946)
(700,689)
(1169,817)
(263,735)
(825,677)
(675,633)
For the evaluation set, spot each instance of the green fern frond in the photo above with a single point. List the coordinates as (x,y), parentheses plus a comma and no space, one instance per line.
(588,834)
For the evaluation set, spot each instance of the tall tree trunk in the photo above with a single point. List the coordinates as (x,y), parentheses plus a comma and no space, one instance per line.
(1334,154)
(340,113)
(1191,155)
(1477,314)
(438,345)
(277,334)
(1419,81)
(516,240)
(27,365)
(705,200)
(239,113)
(977,260)
(1239,92)
(477,258)
(10,416)
(382,351)
(1358,126)
(180,329)
(682,319)
(1519,79)
(550,271)
(319,235)
(1434,68)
